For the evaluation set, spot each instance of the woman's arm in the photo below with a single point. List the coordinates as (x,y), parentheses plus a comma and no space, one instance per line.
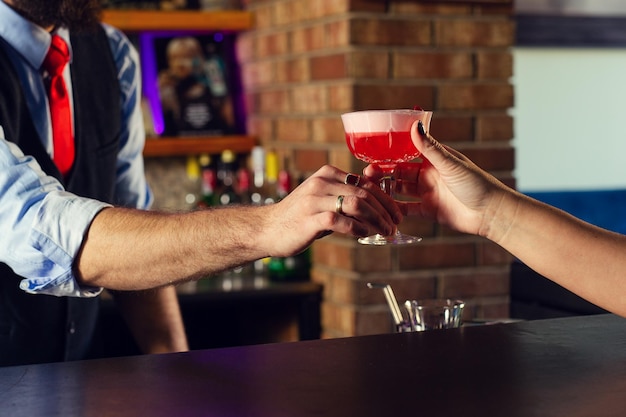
(583,258)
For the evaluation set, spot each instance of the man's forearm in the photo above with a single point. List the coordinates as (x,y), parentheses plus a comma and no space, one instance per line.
(154,319)
(133,250)
(127,249)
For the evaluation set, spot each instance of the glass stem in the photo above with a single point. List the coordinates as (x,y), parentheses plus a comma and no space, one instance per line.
(388,184)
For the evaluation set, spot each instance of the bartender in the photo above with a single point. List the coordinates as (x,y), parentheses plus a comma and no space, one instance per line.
(73,195)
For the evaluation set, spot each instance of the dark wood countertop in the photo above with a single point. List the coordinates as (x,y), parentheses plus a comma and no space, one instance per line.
(558,367)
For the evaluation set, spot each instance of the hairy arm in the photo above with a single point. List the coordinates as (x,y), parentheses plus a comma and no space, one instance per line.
(128,249)
(154,319)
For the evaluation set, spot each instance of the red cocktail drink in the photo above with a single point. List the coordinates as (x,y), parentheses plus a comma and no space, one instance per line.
(383,138)
(385,149)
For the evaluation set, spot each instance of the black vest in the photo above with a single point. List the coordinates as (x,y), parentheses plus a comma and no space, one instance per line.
(42,328)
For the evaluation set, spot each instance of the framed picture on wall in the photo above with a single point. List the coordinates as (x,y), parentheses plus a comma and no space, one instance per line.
(190,83)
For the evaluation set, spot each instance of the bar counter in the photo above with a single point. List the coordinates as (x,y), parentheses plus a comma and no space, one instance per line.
(557,367)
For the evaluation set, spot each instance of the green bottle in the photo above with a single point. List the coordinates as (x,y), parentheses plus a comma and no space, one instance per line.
(209,182)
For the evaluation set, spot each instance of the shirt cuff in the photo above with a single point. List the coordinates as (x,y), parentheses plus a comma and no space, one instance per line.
(58,232)
(64,286)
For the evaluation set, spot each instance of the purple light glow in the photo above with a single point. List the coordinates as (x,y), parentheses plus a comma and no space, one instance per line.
(149,79)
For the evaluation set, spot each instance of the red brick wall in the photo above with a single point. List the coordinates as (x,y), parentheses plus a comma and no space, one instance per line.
(308,61)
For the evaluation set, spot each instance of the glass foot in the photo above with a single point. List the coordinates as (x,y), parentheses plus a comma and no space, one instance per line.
(397,239)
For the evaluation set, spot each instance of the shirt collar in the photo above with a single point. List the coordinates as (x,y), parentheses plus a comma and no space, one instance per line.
(29,40)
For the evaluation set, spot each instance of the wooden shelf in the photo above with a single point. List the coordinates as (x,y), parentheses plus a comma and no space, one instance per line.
(194,146)
(142,20)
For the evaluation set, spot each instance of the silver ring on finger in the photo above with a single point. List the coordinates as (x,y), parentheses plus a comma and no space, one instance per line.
(339,204)
(352,179)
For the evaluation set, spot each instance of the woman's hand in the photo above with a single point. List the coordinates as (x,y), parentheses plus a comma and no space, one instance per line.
(452,190)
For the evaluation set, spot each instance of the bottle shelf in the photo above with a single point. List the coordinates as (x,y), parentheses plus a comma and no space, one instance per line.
(197,145)
(188,20)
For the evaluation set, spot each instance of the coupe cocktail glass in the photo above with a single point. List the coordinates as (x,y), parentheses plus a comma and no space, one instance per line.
(383,138)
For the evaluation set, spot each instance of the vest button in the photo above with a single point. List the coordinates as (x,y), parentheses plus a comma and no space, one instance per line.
(72,327)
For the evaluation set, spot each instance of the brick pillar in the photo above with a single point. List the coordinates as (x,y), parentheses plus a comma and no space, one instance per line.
(308,61)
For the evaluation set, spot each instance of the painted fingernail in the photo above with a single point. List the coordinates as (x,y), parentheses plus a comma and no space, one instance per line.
(420,128)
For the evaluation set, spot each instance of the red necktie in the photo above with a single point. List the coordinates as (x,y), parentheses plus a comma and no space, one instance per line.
(57,58)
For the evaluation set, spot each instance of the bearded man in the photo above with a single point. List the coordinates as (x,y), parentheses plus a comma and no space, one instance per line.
(73,195)
(103,83)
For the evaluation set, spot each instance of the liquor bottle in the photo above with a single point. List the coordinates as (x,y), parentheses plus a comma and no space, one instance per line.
(302,261)
(209,182)
(277,268)
(271,177)
(226,174)
(194,178)
(243,185)
(283,186)
(258,175)
(290,268)
(257,193)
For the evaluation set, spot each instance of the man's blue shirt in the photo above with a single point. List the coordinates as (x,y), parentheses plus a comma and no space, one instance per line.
(41,225)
